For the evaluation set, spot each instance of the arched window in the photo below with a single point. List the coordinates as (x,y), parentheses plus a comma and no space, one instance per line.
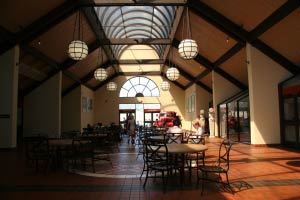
(139,87)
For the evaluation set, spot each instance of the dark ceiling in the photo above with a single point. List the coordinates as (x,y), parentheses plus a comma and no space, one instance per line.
(43,29)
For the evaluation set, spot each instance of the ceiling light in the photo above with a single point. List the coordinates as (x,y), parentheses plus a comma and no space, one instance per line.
(188,48)
(100,74)
(172,74)
(165,86)
(78,49)
(111,86)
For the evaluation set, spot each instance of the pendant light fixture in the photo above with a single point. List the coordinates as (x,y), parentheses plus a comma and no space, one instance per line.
(111,86)
(100,74)
(172,73)
(78,49)
(188,48)
(165,86)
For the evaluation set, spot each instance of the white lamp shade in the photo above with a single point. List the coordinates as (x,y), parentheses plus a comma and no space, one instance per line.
(165,85)
(78,50)
(188,49)
(173,74)
(111,86)
(100,74)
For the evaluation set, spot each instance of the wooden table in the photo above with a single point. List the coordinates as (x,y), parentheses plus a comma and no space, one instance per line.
(186,148)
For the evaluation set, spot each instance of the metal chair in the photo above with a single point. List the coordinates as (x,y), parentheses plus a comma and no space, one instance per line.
(37,152)
(190,157)
(157,161)
(220,167)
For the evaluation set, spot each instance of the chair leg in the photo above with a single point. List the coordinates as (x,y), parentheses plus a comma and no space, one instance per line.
(143,170)
(202,186)
(146,178)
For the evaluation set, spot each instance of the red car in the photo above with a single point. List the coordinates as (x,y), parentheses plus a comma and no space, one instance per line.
(165,119)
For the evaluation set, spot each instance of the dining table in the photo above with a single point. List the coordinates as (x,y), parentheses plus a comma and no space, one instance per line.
(180,150)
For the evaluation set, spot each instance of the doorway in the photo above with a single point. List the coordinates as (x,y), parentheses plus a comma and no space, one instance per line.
(144,114)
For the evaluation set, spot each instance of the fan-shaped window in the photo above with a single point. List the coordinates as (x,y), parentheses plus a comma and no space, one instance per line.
(139,87)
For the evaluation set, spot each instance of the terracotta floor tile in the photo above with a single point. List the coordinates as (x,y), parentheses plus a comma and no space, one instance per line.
(271,173)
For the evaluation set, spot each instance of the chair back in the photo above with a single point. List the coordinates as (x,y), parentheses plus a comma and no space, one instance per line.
(174,138)
(35,146)
(155,153)
(196,139)
(224,154)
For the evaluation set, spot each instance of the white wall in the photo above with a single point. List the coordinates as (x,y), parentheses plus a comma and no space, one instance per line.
(87,117)
(9,97)
(107,103)
(202,98)
(264,75)
(222,90)
(42,109)
(71,111)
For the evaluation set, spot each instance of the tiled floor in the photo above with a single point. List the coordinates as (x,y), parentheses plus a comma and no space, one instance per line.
(273,173)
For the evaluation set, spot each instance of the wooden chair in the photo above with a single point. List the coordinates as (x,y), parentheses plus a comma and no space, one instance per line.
(220,167)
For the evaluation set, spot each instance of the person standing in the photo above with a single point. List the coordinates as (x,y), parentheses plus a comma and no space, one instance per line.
(131,129)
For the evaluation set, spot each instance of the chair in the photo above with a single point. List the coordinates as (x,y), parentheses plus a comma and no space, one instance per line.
(37,151)
(174,138)
(157,161)
(195,139)
(220,167)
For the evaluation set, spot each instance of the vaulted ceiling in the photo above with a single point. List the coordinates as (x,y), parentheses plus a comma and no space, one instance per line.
(44,29)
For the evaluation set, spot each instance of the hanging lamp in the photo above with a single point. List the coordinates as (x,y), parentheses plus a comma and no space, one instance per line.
(100,74)
(188,48)
(165,86)
(78,49)
(172,73)
(111,86)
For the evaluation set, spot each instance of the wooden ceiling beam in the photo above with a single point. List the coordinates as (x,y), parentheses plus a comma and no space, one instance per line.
(136,41)
(231,52)
(198,77)
(241,35)
(277,57)
(98,30)
(205,87)
(85,79)
(50,62)
(274,18)
(188,77)
(132,3)
(138,62)
(210,66)
(41,25)
(106,81)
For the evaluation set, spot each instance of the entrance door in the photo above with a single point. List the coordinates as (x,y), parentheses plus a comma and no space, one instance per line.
(291,121)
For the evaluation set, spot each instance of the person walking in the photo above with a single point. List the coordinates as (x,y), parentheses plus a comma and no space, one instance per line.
(131,129)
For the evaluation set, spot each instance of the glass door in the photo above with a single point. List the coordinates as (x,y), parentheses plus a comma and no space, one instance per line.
(291,118)
(244,122)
